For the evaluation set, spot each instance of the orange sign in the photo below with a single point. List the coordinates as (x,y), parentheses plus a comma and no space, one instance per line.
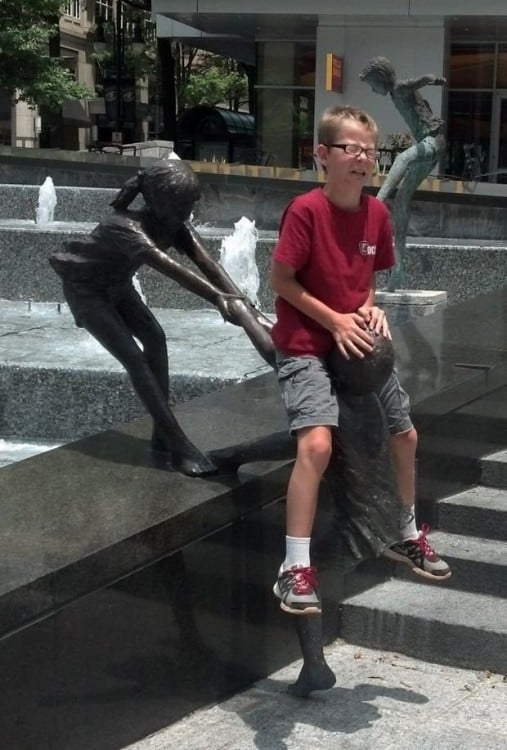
(334,73)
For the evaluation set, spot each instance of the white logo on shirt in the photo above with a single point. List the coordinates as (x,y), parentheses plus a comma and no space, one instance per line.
(366,249)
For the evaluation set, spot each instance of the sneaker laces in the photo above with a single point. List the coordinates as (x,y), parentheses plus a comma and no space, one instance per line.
(422,541)
(303,580)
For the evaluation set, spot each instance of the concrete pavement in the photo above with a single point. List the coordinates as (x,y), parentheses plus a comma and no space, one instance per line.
(381,701)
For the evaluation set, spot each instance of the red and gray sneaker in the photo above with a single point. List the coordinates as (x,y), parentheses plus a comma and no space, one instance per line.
(297,588)
(420,556)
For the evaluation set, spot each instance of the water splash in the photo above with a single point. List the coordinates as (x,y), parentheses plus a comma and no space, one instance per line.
(136,281)
(237,256)
(45,211)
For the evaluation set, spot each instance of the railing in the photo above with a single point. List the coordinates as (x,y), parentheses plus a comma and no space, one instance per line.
(100,147)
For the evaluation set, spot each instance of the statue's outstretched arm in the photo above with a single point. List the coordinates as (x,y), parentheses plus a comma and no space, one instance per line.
(189,242)
(233,307)
(239,308)
(419,83)
(185,277)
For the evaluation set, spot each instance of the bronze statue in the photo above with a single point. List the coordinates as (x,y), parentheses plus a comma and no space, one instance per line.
(416,162)
(97,277)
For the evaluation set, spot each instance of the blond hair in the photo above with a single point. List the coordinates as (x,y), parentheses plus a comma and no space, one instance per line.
(332,117)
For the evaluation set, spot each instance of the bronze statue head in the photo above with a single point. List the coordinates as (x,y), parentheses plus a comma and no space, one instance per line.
(361,376)
(380,74)
(169,187)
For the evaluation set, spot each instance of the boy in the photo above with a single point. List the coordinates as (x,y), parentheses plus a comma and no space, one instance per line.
(332,241)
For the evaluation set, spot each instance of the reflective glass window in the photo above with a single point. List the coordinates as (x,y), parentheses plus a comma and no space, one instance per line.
(472,66)
(501,71)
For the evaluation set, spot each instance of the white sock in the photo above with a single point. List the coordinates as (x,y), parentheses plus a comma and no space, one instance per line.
(297,552)
(406,524)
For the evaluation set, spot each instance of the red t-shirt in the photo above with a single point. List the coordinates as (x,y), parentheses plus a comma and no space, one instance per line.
(335,253)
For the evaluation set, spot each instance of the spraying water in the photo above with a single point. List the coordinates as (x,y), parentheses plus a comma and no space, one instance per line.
(237,256)
(45,210)
(136,281)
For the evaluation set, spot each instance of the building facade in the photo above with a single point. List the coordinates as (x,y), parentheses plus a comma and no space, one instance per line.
(309,56)
(80,123)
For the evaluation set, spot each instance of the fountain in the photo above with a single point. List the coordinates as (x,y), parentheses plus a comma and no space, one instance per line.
(52,361)
(45,210)
(237,256)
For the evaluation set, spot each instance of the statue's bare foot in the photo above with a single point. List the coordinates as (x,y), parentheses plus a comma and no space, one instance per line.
(193,466)
(186,459)
(317,677)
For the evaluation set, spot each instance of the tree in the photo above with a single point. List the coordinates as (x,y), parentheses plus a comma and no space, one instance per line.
(27,70)
(204,78)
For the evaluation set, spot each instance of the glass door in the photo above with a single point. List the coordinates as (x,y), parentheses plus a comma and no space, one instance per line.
(498,154)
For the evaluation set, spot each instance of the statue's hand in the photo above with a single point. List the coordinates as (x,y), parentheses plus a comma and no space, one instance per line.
(226,304)
(439,81)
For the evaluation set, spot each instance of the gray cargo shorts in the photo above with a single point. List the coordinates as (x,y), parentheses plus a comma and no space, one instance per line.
(310,398)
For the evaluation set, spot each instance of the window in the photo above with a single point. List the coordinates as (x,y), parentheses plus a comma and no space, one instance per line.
(501,70)
(104,10)
(73,8)
(286,64)
(285,100)
(472,66)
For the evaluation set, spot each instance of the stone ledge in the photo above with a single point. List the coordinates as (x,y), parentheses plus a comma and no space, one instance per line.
(81,516)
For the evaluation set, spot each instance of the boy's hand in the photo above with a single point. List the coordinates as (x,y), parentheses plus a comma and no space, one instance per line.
(376,320)
(351,336)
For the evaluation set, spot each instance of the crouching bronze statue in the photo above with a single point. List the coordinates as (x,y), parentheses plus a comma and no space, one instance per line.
(97,275)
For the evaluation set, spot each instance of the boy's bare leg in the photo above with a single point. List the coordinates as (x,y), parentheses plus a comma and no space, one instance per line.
(413,547)
(403,451)
(313,454)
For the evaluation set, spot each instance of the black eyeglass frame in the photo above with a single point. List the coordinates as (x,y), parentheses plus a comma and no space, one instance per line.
(371,153)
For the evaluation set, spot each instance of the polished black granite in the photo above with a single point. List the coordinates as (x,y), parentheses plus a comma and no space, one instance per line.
(130,596)
(88,513)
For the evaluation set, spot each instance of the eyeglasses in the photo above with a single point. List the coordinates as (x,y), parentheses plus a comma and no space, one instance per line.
(354,149)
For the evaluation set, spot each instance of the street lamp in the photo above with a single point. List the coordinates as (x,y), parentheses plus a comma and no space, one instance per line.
(118,95)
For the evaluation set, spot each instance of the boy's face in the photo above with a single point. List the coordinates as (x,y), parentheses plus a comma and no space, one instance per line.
(345,169)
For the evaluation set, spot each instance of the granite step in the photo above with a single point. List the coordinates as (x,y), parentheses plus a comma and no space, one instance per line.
(432,265)
(12,451)
(478,511)
(25,273)
(70,387)
(437,624)
(494,469)
(477,564)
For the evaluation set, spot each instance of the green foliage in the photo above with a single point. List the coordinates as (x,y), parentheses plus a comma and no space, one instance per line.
(27,71)
(399,141)
(143,65)
(212,80)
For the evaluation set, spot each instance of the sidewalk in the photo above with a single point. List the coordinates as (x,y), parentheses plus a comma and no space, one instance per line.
(381,701)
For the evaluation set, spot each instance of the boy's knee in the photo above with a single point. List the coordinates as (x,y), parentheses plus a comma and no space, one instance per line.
(316,447)
(408,437)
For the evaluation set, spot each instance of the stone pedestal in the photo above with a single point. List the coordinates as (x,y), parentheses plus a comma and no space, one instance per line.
(406,305)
